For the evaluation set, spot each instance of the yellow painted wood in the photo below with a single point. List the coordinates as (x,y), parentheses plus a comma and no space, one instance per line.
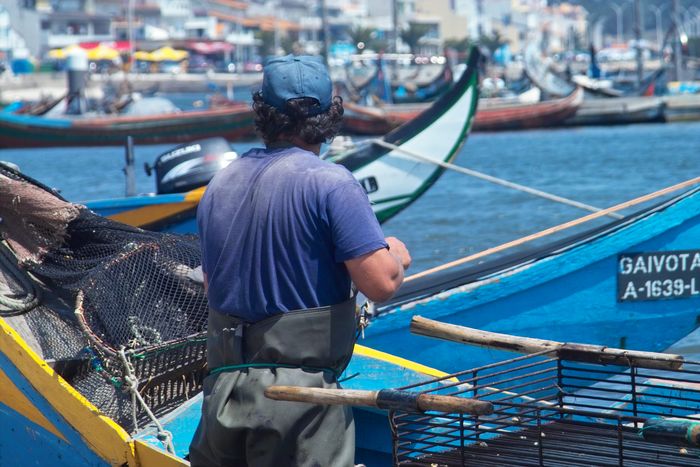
(149,214)
(195,196)
(104,436)
(393,359)
(149,456)
(109,440)
(12,396)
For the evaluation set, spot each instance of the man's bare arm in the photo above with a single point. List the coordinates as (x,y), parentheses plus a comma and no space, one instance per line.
(379,274)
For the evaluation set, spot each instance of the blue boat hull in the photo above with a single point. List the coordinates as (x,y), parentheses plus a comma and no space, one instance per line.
(27,438)
(565,295)
(44,421)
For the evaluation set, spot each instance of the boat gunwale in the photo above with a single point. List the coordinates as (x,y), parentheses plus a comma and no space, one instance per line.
(453,278)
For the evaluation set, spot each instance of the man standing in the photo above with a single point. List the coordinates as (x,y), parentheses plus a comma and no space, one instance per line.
(283,234)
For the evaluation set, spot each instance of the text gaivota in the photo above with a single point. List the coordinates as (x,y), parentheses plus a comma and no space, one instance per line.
(657,263)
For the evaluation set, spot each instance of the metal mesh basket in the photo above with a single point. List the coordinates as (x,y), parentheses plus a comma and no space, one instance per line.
(554,408)
(122,313)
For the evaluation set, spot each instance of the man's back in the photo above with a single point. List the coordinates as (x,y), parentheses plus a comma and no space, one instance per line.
(276,227)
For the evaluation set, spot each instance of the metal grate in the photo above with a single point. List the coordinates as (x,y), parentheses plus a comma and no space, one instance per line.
(555,410)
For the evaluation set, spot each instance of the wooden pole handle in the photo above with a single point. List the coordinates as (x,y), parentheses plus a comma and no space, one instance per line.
(527,345)
(387,399)
(555,229)
(322,396)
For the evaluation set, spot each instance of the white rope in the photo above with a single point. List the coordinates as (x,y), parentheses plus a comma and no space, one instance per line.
(495,180)
(132,385)
(31,295)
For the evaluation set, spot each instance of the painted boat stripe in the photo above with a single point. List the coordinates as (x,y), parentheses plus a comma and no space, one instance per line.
(148,456)
(195,196)
(143,200)
(393,359)
(150,214)
(109,440)
(12,397)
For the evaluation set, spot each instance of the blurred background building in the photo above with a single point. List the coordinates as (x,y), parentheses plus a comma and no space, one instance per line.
(240,33)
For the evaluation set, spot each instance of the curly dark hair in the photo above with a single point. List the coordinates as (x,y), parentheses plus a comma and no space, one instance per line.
(273,125)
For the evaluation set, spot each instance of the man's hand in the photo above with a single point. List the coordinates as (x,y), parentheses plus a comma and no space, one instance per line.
(399,251)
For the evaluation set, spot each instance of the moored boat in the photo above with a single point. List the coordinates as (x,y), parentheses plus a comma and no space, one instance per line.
(232,122)
(380,120)
(681,107)
(494,114)
(618,111)
(632,283)
(420,84)
(102,351)
(522,116)
(391,180)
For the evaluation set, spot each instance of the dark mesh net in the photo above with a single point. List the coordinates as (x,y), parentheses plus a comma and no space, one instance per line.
(107,287)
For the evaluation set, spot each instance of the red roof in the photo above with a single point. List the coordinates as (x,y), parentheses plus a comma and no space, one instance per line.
(121,46)
(233,4)
(205,48)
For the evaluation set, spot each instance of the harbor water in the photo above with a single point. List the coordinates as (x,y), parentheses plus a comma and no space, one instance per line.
(459,215)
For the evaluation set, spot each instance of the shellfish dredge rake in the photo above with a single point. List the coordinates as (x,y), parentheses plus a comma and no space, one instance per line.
(560,405)
(116,310)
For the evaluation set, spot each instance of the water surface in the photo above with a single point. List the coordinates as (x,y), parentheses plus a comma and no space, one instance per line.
(459,215)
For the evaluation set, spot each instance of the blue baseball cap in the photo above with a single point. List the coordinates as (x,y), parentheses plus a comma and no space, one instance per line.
(294,77)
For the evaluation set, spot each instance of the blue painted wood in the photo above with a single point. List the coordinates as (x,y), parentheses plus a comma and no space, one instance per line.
(116,205)
(22,442)
(569,296)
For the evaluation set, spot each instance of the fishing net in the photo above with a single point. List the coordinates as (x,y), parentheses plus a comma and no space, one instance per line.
(118,311)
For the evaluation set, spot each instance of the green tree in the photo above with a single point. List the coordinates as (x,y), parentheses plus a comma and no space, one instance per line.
(458,45)
(290,45)
(358,35)
(413,34)
(368,37)
(492,42)
(267,43)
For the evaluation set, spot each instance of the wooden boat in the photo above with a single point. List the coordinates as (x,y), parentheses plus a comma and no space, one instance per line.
(527,116)
(618,111)
(632,283)
(415,86)
(409,91)
(522,111)
(681,107)
(542,74)
(530,96)
(379,120)
(24,131)
(391,180)
(538,70)
(65,400)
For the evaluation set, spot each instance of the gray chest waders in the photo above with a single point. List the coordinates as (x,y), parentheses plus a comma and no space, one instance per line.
(239,426)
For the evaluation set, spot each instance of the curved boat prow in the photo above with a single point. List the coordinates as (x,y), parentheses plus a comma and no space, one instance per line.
(393,180)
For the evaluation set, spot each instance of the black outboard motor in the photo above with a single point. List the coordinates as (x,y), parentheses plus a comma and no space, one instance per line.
(191,165)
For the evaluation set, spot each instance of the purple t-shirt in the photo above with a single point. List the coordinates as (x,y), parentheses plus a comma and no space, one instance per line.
(276,226)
